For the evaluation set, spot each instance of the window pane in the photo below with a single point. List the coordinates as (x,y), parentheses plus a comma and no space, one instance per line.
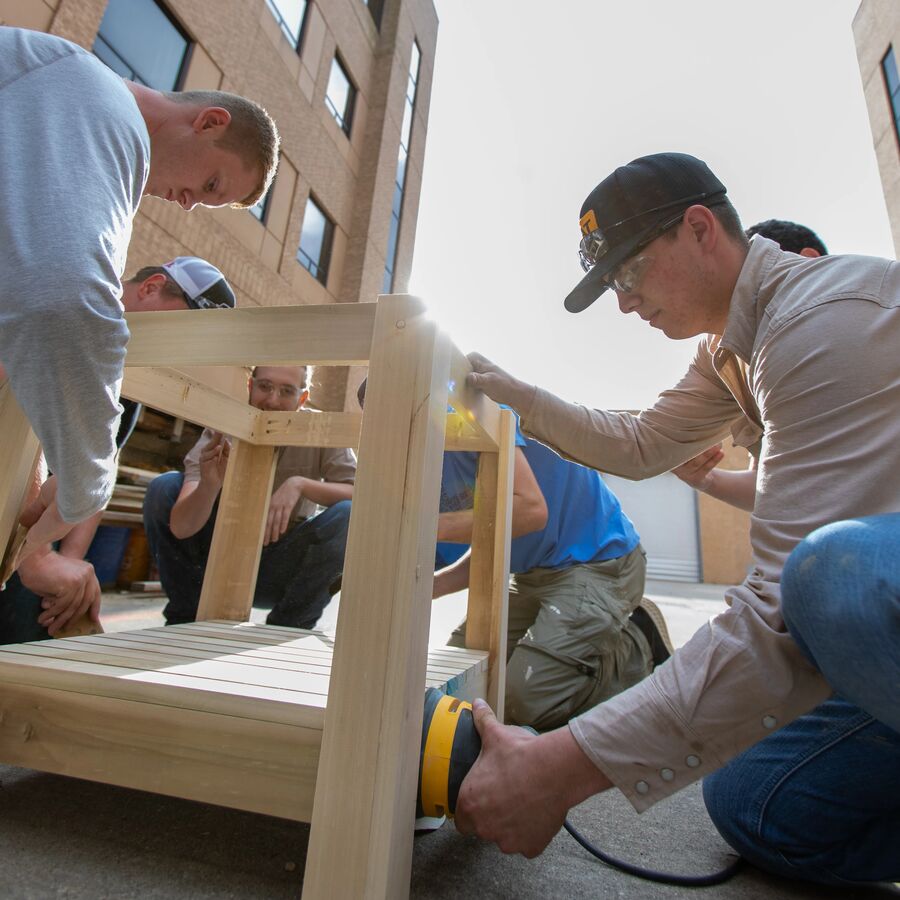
(258,210)
(392,240)
(314,252)
(376,8)
(889,65)
(138,40)
(289,15)
(414,64)
(406,127)
(339,96)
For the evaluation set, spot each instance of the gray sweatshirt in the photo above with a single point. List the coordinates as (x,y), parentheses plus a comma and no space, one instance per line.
(74,158)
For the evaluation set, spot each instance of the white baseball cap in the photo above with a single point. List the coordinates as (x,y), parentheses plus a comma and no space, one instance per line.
(204,286)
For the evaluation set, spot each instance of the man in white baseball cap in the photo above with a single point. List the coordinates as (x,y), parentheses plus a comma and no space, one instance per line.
(62,576)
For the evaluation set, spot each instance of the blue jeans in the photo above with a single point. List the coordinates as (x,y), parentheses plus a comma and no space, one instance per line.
(819,800)
(294,572)
(19,611)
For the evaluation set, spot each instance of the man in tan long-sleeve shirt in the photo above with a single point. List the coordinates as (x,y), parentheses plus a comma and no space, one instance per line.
(804,354)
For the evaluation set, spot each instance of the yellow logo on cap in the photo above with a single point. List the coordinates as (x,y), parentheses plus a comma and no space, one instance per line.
(588,222)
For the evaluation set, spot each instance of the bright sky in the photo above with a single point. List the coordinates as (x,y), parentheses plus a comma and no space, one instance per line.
(533,104)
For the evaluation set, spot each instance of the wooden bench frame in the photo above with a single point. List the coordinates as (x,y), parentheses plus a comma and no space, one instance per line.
(361,836)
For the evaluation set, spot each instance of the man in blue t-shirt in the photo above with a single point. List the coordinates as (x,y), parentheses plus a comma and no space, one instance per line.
(579,628)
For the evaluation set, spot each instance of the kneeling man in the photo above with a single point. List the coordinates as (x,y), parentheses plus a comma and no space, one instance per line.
(303,551)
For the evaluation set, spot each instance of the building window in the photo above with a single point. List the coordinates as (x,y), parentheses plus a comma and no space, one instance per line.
(140,41)
(291,17)
(387,282)
(376,8)
(261,207)
(892,81)
(340,97)
(316,239)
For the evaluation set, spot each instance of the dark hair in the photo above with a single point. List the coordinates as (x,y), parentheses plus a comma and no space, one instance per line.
(171,287)
(726,215)
(788,235)
(361,393)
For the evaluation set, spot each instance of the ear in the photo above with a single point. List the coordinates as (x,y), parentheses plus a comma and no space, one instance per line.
(303,398)
(703,225)
(212,119)
(151,286)
(810,253)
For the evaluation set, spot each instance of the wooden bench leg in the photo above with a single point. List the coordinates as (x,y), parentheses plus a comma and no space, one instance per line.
(362,824)
(19,454)
(233,562)
(487,612)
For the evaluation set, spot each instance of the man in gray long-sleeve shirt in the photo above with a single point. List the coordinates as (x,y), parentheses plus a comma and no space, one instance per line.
(80,148)
(801,353)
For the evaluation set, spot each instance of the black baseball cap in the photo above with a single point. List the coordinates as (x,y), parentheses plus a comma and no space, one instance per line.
(204,286)
(631,208)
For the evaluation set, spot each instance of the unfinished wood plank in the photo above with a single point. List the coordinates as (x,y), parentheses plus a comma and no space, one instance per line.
(327,335)
(19,454)
(487,613)
(479,416)
(176,691)
(307,428)
(262,767)
(233,561)
(180,395)
(361,838)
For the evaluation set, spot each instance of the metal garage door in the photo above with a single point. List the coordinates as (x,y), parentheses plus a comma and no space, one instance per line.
(664,511)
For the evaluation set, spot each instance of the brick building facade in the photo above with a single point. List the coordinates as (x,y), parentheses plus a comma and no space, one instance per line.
(288,55)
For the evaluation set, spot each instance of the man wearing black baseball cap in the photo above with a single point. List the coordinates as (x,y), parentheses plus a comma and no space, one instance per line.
(801,353)
(62,576)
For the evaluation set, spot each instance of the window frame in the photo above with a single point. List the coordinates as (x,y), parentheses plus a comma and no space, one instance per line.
(893,99)
(179,28)
(295,42)
(323,264)
(345,119)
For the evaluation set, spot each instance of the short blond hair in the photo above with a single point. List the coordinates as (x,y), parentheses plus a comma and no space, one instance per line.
(251,135)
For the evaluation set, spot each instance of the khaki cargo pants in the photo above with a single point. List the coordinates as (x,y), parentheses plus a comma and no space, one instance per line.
(571,644)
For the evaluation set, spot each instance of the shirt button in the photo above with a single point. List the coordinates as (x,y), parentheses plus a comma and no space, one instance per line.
(642,787)
(692,761)
(667,774)
(769,722)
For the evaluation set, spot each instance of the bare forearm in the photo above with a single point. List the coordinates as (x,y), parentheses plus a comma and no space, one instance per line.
(452,579)
(76,543)
(325,493)
(735,488)
(192,511)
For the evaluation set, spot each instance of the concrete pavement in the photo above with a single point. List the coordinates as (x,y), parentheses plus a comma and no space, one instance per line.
(65,838)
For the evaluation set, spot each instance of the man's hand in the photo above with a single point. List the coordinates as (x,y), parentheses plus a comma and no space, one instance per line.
(500,386)
(522,785)
(69,588)
(214,460)
(42,519)
(282,504)
(698,472)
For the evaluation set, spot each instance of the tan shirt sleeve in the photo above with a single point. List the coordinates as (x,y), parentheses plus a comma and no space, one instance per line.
(830,453)
(694,415)
(338,465)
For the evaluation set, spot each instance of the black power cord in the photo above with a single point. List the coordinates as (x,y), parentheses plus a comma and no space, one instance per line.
(649,874)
